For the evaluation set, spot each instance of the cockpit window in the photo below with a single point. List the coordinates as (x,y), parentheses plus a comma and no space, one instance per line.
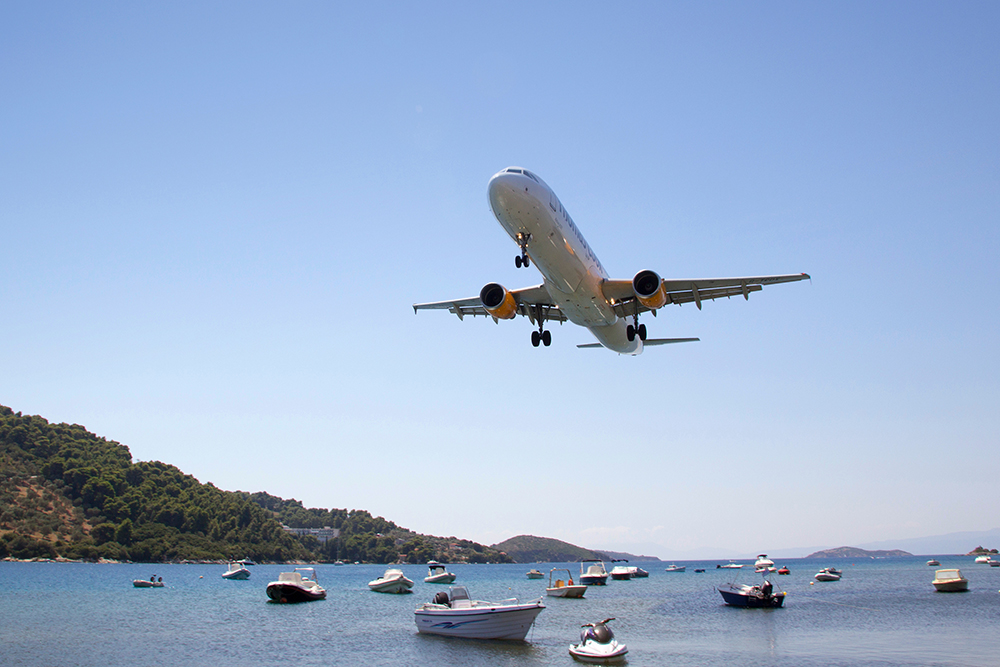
(531,176)
(511,170)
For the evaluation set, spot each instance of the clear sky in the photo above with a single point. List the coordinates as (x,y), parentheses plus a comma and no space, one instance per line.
(214,219)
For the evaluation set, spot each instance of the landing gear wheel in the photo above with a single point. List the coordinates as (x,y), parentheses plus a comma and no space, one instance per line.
(642,332)
(630,333)
(535,338)
(546,338)
(517,262)
(525,261)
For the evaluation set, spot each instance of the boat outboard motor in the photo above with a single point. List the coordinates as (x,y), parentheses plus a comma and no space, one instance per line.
(441,597)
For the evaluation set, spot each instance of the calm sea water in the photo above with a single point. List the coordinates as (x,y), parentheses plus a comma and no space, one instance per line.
(883,612)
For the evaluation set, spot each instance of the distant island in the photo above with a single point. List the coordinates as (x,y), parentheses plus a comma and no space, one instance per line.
(982,551)
(854,552)
(532,549)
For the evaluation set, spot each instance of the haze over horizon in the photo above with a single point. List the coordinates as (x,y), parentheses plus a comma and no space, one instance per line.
(216,218)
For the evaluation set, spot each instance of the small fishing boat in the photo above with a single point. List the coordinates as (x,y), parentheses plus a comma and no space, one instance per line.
(393,581)
(437,574)
(639,573)
(595,574)
(743,595)
(675,568)
(598,644)
(455,614)
(621,572)
(828,574)
(300,585)
(236,571)
(950,581)
(152,582)
(564,589)
(699,570)
(535,574)
(933,562)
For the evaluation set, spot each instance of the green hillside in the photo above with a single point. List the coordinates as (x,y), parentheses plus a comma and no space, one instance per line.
(531,549)
(67,493)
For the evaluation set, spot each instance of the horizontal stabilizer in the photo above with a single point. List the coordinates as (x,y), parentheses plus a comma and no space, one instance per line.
(651,341)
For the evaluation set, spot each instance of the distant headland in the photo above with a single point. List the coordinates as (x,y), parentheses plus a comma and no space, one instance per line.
(854,552)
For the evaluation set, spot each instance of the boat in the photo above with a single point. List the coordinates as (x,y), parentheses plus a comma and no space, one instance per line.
(152,582)
(729,566)
(675,568)
(763,564)
(621,572)
(455,614)
(535,574)
(393,581)
(828,574)
(236,570)
(437,574)
(950,581)
(933,562)
(639,573)
(598,644)
(595,574)
(743,595)
(699,570)
(784,570)
(300,585)
(983,559)
(994,563)
(564,589)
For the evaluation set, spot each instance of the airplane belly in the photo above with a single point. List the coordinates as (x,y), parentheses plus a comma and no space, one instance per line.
(585,306)
(615,339)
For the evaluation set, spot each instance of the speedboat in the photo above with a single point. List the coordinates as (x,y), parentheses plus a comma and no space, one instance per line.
(236,571)
(828,574)
(950,581)
(393,581)
(621,572)
(933,562)
(148,583)
(535,574)
(675,568)
(455,614)
(595,574)
(598,644)
(639,573)
(729,566)
(437,574)
(994,563)
(763,564)
(743,595)
(299,585)
(564,589)
(983,559)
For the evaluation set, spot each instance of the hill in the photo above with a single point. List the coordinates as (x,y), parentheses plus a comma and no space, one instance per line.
(531,549)
(67,493)
(854,552)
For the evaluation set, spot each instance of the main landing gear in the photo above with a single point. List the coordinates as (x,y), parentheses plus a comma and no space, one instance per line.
(522,259)
(541,336)
(635,328)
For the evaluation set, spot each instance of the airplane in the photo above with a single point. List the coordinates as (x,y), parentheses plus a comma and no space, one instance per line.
(575,285)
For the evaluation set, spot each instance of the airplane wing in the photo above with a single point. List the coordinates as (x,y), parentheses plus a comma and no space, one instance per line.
(622,296)
(527,299)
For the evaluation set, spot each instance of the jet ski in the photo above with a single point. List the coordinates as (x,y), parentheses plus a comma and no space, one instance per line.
(598,644)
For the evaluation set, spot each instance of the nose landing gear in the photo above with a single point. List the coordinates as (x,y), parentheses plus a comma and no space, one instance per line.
(522,242)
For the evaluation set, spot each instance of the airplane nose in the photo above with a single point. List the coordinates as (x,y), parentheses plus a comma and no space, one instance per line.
(500,189)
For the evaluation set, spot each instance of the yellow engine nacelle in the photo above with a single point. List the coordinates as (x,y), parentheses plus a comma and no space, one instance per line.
(498,301)
(649,289)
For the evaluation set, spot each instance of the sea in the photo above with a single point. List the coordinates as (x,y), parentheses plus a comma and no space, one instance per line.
(882,612)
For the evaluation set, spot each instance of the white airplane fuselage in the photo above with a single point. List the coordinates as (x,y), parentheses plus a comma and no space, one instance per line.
(524,204)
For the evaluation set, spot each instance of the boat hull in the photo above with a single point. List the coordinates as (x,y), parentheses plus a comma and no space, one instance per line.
(576,591)
(285,592)
(397,586)
(598,654)
(954,586)
(446,578)
(827,577)
(142,583)
(499,622)
(237,575)
(594,580)
(745,596)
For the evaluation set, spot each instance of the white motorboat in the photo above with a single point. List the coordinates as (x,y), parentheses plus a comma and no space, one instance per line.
(639,573)
(564,589)
(148,583)
(950,581)
(621,572)
(437,574)
(455,614)
(598,644)
(535,574)
(933,562)
(763,564)
(595,574)
(983,559)
(827,574)
(729,566)
(300,585)
(236,571)
(393,581)
(675,568)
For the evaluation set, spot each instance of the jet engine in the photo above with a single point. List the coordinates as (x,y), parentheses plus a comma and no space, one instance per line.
(649,289)
(498,301)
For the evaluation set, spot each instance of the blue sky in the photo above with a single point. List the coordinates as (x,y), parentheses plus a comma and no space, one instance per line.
(216,216)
